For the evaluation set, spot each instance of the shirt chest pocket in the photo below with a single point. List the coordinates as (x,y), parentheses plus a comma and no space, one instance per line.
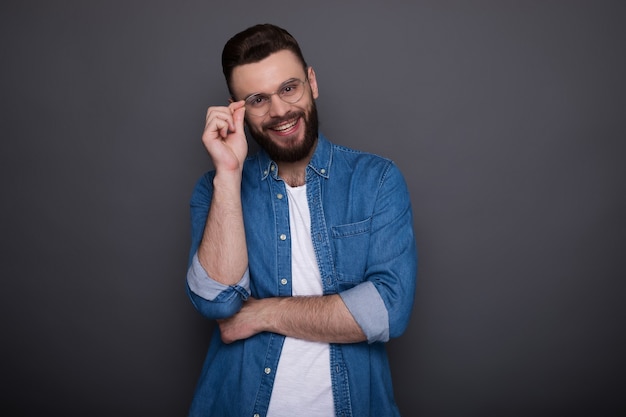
(350,244)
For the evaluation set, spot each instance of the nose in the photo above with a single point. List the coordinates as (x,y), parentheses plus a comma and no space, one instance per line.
(278,107)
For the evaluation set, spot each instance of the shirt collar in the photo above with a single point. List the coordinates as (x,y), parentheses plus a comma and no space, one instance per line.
(320,161)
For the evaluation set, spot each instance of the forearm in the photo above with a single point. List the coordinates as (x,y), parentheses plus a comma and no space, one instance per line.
(319,319)
(223,252)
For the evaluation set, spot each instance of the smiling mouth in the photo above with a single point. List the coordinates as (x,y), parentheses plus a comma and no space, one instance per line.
(284,127)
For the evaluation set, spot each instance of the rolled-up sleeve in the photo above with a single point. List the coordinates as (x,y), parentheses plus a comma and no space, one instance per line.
(369,311)
(214,299)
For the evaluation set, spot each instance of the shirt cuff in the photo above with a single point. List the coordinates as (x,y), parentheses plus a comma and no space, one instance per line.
(368,309)
(201,284)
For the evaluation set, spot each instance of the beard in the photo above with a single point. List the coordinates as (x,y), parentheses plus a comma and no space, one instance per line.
(291,153)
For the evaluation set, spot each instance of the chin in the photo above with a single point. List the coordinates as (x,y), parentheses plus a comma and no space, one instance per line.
(296,149)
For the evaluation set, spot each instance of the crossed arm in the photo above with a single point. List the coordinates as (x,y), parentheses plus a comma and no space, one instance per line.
(319,319)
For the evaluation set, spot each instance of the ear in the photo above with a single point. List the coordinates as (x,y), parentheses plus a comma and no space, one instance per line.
(313,82)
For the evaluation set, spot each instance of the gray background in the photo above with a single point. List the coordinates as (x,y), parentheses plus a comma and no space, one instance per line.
(506,117)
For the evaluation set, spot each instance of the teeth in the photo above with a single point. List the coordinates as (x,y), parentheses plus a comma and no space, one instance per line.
(285,126)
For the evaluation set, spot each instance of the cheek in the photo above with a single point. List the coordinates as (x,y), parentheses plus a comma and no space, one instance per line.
(252,125)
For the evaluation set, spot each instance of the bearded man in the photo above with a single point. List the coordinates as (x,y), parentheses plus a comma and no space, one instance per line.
(304,253)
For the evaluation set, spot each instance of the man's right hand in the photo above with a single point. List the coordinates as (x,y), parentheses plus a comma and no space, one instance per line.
(224,137)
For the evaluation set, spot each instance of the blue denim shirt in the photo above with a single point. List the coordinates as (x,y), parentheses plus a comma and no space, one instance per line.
(362,232)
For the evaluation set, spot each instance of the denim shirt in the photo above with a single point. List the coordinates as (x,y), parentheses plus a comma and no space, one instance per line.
(362,233)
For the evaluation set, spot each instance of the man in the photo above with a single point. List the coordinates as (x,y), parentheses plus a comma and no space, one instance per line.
(303,253)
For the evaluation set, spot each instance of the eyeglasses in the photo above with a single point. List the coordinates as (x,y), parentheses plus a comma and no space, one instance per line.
(291,91)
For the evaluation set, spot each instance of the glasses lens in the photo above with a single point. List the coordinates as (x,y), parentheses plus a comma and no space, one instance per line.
(292,92)
(258,104)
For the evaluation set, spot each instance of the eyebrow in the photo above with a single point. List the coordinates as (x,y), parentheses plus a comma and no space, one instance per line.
(290,80)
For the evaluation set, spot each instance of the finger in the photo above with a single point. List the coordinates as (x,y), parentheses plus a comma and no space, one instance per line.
(217,124)
(238,117)
(238,110)
(220,121)
(223,113)
(225,130)
(236,105)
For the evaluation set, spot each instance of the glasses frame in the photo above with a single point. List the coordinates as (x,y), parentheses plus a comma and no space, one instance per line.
(277,92)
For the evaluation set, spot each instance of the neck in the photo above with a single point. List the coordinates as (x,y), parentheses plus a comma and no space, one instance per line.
(293,173)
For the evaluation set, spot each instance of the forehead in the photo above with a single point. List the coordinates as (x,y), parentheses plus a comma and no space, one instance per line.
(266,75)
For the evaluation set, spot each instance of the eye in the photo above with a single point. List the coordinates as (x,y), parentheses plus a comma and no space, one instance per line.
(289,89)
(256,100)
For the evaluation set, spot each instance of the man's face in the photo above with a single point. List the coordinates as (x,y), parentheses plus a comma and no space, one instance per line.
(288,132)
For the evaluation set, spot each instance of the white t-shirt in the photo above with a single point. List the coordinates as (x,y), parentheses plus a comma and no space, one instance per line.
(302,385)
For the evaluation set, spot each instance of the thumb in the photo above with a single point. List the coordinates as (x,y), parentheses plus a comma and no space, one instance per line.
(238,116)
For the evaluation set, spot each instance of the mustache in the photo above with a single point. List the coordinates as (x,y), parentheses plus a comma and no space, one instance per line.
(276,121)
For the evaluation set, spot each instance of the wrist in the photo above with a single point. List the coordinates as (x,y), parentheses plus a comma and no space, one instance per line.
(268,314)
(227,179)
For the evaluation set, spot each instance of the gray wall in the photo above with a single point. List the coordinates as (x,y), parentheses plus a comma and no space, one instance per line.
(507,118)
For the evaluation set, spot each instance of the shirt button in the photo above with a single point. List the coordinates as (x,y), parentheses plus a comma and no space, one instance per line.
(283,281)
(323,171)
(272,168)
(268,371)
(265,172)
(279,196)
(283,237)
(257,415)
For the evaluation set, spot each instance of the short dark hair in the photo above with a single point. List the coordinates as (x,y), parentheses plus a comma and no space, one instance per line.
(255,44)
